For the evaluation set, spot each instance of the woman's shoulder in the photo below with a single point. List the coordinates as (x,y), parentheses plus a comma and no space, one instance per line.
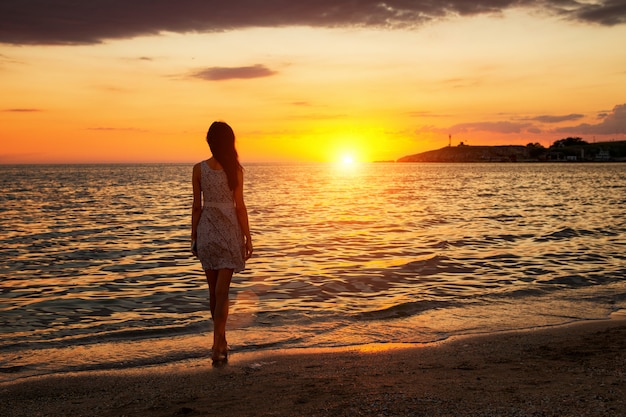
(214,165)
(197,168)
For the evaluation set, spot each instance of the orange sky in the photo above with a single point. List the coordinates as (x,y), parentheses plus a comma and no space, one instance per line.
(298,90)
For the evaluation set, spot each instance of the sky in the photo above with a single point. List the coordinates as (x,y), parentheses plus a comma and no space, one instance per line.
(98,81)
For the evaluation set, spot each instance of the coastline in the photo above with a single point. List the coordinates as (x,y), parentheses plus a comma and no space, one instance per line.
(573,369)
(564,150)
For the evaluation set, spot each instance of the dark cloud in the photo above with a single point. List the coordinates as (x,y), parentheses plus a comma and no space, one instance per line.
(229,73)
(557,119)
(92,21)
(613,123)
(608,12)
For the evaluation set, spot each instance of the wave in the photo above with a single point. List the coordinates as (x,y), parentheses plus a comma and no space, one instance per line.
(104,334)
(405,310)
(436,265)
(569,233)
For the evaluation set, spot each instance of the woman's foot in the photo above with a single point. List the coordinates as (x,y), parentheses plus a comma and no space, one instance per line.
(220,358)
(220,354)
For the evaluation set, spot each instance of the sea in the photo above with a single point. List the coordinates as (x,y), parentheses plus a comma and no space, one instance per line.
(96,271)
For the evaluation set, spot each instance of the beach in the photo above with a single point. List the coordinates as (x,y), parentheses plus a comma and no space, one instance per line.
(572,370)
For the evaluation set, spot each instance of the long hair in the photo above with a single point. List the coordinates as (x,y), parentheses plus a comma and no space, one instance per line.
(221,140)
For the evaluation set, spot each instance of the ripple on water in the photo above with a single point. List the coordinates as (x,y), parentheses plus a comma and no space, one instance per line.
(385,252)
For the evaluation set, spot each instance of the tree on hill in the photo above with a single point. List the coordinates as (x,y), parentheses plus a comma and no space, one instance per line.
(535,150)
(563,143)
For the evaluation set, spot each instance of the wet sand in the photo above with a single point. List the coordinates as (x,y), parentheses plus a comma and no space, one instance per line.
(574,370)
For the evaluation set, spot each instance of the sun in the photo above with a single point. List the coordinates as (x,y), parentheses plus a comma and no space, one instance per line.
(347,160)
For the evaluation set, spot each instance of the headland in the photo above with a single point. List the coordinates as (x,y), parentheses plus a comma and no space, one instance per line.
(564,150)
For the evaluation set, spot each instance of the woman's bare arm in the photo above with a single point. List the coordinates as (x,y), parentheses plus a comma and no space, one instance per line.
(196,208)
(242,215)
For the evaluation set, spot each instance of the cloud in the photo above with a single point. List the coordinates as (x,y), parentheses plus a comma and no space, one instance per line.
(608,12)
(318,116)
(229,73)
(426,113)
(557,119)
(116,129)
(5,59)
(496,127)
(22,110)
(16,158)
(93,21)
(502,127)
(613,123)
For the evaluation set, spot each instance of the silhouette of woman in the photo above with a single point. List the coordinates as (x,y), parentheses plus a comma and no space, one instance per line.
(220,232)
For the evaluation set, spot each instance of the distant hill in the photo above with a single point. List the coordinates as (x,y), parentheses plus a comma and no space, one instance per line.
(585,152)
(465,153)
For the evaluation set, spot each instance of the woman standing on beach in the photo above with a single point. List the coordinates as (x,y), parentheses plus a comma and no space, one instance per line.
(220,233)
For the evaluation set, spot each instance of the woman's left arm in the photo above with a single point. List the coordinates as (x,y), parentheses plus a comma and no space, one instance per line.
(242,215)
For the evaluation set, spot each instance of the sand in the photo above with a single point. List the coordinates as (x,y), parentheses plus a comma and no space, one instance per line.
(573,370)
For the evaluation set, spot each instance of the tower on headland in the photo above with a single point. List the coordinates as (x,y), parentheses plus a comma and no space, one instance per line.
(449,140)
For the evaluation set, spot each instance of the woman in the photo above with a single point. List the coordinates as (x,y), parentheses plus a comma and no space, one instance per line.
(220,233)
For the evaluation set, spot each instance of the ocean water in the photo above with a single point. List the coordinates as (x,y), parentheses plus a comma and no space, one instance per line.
(96,271)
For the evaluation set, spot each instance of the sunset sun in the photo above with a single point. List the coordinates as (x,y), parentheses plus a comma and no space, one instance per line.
(347,160)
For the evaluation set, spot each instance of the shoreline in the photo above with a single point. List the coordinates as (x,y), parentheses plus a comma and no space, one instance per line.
(573,369)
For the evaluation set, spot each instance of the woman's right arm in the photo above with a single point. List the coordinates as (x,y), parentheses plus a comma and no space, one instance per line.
(196,208)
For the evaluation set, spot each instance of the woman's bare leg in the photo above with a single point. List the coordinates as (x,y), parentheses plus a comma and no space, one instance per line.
(211,277)
(220,315)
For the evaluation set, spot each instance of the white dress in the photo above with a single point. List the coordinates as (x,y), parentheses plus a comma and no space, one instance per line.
(220,243)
